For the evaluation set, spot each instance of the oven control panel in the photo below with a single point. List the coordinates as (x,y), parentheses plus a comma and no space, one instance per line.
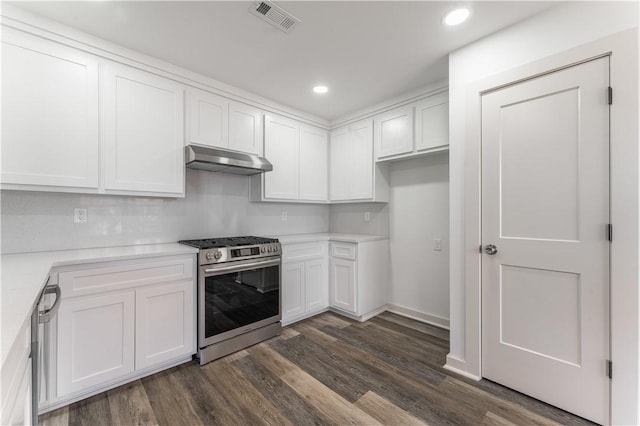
(229,254)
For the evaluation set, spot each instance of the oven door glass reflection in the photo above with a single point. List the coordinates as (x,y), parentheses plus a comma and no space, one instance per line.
(241,298)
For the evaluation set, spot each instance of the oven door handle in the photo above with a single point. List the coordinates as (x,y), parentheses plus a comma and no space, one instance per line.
(243,267)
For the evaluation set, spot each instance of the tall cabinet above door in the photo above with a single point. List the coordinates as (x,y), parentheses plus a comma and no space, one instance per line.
(216,121)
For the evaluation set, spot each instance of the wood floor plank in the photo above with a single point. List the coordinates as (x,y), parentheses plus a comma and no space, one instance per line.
(129,405)
(91,411)
(59,417)
(271,359)
(288,332)
(285,399)
(432,330)
(385,412)
(492,419)
(329,403)
(247,404)
(416,335)
(331,320)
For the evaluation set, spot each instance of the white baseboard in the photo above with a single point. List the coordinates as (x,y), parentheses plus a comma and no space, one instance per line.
(419,316)
(457,366)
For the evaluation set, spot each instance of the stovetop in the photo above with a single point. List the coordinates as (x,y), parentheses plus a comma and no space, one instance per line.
(209,243)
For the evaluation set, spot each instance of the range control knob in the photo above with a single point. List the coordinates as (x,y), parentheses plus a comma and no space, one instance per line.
(209,256)
(269,249)
(217,255)
(262,249)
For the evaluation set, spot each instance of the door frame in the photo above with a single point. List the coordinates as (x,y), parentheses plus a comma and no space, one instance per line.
(624,214)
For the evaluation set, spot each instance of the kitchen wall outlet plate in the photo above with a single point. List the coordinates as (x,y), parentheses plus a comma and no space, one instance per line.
(437,244)
(79,215)
(284,216)
(367,216)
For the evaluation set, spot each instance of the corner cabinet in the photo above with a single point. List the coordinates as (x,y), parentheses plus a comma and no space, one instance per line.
(117,321)
(142,125)
(216,121)
(353,176)
(359,278)
(50,135)
(299,156)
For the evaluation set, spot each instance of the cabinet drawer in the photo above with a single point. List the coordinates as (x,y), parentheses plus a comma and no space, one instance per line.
(303,251)
(125,274)
(343,251)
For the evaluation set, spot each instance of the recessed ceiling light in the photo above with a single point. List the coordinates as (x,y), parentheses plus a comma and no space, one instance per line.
(321,89)
(456,17)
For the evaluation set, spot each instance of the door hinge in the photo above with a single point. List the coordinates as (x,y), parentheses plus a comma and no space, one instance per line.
(610,369)
(610,95)
(609,232)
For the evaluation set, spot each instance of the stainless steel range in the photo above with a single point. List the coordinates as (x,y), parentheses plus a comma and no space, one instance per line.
(238,293)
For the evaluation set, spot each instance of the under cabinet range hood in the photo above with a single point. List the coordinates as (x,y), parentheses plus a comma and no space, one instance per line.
(225,161)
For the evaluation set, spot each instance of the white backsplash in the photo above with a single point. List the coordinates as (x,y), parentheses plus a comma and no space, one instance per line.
(350,218)
(216,205)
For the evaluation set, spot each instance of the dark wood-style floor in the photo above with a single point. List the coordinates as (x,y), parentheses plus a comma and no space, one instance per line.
(326,370)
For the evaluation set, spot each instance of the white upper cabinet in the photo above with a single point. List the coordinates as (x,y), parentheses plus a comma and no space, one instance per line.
(353,174)
(208,119)
(281,146)
(394,132)
(50,131)
(142,127)
(432,123)
(299,156)
(216,121)
(313,164)
(245,128)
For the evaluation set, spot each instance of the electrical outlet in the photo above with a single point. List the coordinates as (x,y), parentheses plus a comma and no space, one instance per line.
(437,246)
(367,216)
(284,216)
(79,215)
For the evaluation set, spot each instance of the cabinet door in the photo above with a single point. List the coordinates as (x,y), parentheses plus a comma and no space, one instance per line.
(142,125)
(207,119)
(343,284)
(49,114)
(95,341)
(165,323)
(293,289)
(361,177)
(316,285)
(394,132)
(245,129)
(313,164)
(432,123)
(281,149)
(339,165)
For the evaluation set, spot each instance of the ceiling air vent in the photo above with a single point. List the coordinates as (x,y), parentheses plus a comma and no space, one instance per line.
(274,15)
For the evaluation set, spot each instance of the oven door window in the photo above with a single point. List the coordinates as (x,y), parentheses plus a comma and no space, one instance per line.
(238,299)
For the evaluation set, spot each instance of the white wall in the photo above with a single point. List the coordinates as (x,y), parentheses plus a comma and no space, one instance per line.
(216,205)
(349,218)
(562,28)
(418,214)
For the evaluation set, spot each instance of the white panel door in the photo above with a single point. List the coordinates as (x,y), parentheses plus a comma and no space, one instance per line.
(208,119)
(49,114)
(95,341)
(165,323)
(545,205)
(293,290)
(394,132)
(142,125)
(343,284)
(316,285)
(339,165)
(245,128)
(313,168)
(432,123)
(361,177)
(281,149)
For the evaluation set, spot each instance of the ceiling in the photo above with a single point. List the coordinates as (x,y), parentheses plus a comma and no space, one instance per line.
(365,51)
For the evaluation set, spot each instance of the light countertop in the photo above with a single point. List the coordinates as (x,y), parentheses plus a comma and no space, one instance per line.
(24,275)
(345,238)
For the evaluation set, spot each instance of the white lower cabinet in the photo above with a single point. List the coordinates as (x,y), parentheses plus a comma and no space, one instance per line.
(164,323)
(304,280)
(359,277)
(15,380)
(95,341)
(117,321)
